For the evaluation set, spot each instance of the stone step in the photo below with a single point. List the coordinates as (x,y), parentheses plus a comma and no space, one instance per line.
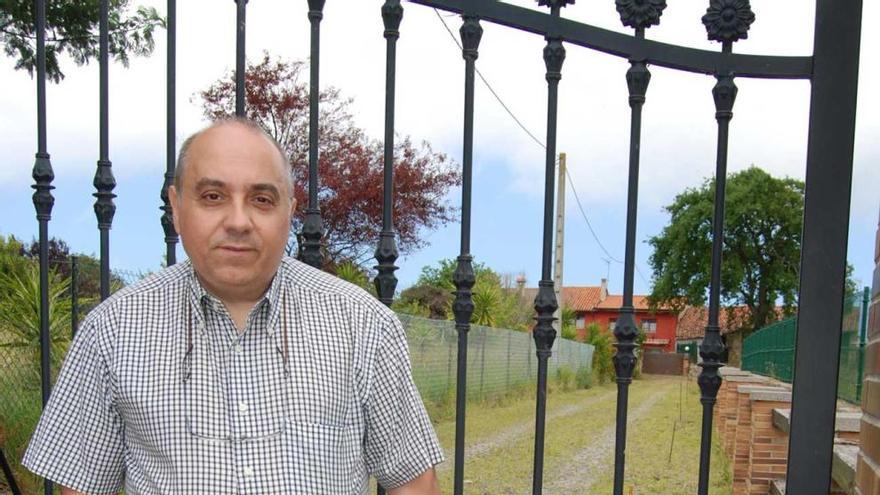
(845,422)
(843,470)
(765,393)
(777,487)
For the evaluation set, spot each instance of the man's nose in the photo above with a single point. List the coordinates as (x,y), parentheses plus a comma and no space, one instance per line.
(238,217)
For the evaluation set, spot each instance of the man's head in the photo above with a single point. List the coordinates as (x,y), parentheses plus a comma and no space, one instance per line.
(232,200)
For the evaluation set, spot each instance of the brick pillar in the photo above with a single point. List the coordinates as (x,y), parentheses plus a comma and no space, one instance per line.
(743,435)
(768,445)
(727,407)
(868,464)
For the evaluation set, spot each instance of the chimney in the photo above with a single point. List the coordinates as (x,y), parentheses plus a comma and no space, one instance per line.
(520,282)
(603,289)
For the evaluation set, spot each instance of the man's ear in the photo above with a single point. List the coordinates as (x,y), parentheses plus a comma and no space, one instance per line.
(175,202)
(292,207)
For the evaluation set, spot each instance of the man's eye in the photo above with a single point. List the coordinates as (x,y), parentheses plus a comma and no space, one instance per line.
(211,196)
(264,200)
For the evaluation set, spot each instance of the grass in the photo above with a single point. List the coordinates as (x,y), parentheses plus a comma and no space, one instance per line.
(658,464)
(507,469)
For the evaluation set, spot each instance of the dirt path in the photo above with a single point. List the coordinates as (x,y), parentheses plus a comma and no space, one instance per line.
(597,457)
(512,434)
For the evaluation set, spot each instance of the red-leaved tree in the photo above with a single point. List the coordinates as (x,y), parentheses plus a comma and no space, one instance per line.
(350,166)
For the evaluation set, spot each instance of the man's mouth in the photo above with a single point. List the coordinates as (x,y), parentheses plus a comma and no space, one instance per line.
(236,249)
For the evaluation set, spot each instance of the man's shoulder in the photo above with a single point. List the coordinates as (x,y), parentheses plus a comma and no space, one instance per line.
(160,286)
(311,280)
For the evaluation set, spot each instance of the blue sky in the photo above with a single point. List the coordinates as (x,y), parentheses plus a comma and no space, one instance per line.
(768,130)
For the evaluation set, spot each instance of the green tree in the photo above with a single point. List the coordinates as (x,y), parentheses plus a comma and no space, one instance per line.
(72,29)
(761,246)
(496,302)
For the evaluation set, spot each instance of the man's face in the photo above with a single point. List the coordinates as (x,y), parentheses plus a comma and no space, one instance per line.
(233,210)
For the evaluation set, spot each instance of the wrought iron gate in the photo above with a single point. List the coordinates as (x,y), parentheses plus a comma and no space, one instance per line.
(832,70)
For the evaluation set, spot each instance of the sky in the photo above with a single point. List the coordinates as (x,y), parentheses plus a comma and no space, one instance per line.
(769,128)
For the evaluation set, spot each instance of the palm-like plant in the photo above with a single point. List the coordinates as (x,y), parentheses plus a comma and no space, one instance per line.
(351,272)
(20,308)
(487,303)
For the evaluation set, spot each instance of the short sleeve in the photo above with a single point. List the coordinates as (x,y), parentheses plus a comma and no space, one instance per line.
(400,442)
(78,441)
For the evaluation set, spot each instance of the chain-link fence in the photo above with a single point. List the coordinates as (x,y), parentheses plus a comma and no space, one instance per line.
(499,360)
(770,350)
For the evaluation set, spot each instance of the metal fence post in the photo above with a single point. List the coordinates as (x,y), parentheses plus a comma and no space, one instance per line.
(863,336)
(74,296)
(824,238)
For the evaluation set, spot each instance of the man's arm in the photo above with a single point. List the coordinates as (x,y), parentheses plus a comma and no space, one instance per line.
(425,484)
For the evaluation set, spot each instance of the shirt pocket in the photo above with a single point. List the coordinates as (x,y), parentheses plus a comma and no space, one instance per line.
(329,457)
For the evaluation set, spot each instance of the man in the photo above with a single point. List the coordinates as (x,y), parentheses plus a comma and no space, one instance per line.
(240,370)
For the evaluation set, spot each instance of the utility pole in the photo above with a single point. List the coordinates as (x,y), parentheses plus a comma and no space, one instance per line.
(560,229)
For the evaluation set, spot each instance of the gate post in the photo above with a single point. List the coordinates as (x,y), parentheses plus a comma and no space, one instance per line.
(824,242)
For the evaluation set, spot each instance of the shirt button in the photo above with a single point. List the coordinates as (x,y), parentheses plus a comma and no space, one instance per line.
(242,407)
(238,348)
(248,472)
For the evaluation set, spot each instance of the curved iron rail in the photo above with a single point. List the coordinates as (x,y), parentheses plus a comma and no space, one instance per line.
(630,47)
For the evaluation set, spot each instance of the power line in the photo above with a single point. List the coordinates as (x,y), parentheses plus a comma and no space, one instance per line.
(542,145)
(489,86)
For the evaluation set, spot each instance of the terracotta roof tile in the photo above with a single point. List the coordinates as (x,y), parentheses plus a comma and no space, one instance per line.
(640,303)
(577,298)
(692,321)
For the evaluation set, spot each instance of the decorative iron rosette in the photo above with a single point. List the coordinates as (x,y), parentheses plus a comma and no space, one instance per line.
(640,14)
(554,3)
(728,20)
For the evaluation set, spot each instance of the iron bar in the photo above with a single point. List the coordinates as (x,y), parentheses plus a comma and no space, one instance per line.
(43,202)
(170,135)
(824,244)
(104,181)
(625,46)
(712,347)
(240,56)
(386,251)
(7,472)
(463,306)
(626,330)
(74,295)
(313,228)
(726,24)
(545,301)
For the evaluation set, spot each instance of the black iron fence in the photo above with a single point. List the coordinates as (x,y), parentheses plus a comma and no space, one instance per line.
(831,68)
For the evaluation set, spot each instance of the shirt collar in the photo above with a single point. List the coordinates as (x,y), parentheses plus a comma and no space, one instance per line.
(202,299)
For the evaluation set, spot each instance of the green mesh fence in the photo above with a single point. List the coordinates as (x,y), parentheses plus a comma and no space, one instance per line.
(498,360)
(770,350)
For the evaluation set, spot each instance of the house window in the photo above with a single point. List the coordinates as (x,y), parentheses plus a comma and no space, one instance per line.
(649,326)
(612,323)
(579,322)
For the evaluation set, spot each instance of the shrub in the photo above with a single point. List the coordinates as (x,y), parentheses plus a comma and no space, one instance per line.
(584,377)
(603,351)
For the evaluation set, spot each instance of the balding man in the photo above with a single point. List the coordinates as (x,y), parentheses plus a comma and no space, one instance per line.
(240,370)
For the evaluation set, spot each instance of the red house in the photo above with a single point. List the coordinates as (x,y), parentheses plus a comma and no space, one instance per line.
(594,304)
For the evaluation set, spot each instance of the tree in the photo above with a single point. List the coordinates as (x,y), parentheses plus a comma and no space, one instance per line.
(350,163)
(760,253)
(496,303)
(72,29)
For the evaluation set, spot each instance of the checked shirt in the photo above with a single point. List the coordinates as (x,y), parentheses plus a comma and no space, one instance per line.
(161,394)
